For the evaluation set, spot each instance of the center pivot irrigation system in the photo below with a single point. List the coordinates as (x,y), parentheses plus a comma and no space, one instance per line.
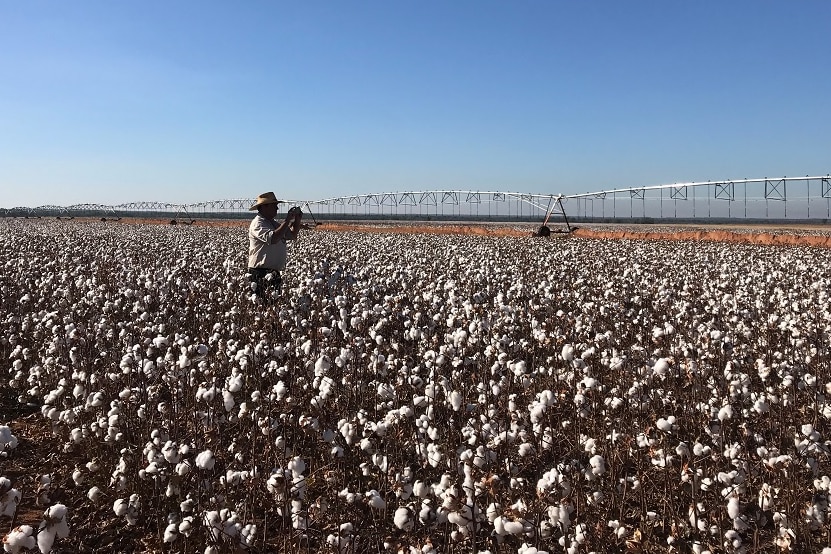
(556,203)
(762,200)
(786,199)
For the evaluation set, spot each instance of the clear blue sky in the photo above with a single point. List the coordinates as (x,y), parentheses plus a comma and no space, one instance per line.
(119,101)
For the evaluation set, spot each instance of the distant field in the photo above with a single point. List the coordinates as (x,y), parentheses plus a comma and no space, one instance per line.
(782,233)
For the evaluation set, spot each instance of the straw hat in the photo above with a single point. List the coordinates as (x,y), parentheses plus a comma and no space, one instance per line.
(263,199)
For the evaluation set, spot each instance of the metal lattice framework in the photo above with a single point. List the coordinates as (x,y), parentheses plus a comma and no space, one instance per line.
(788,198)
(766,199)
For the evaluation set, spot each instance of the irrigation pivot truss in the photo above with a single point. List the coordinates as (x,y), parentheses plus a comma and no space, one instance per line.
(784,198)
(765,199)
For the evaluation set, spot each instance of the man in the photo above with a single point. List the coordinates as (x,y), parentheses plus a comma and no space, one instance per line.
(267,251)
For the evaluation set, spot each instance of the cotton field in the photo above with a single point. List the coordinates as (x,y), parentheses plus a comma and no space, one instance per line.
(410,393)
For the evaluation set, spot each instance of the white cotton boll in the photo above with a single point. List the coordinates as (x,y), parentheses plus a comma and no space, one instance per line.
(53,525)
(247,535)
(514,528)
(537,413)
(171,533)
(120,506)
(279,390)
(228,400)
(213,521)
(701,450)
(78,477)
(644,441)
(9,498)
(456,400)
(519,368)
(235,382)
(186,526)
(403,519)
(386,391)
(322,365)
(375,501)
(152,468)
(421,489)
(733,507)
(206,394)
(297,465)
(661,367)
(349,497)
(205,460)
(19,539)
(519,507)
(186,506)
(380,461)
(567,352)
(808,430)
(615,402)
(460,518)
(7,440)
(499,526)
(580,533)
(598,464)
(766,496)
(76,435)
(526,449)
(298,486)
(725,413)
(761,405)
(170,451)
(183,468)
(95,494)
(560,516)
(589,383)
(663,425)
(733,539)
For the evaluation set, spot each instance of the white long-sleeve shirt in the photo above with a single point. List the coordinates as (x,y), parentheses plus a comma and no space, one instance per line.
(261,252)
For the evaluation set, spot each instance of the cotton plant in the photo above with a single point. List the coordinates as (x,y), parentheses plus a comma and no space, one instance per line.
(53,526)
(20,539)
(9,498)
(8,441)
(429,362)
(129,508)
